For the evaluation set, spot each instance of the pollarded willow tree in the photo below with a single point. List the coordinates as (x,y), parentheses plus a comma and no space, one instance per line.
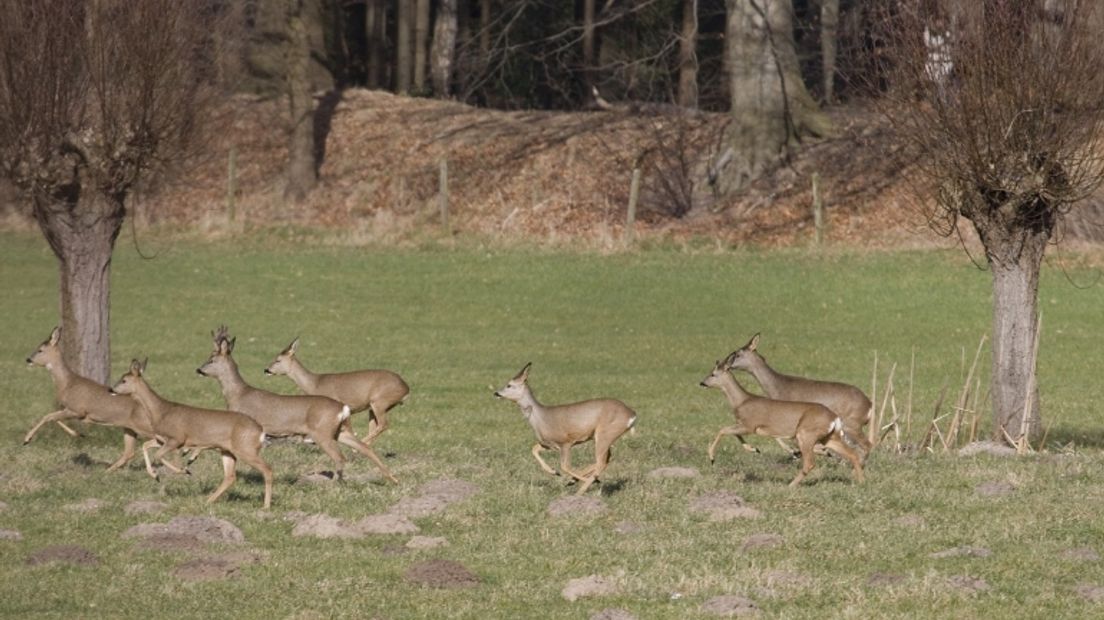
(1000,104)
(95,96)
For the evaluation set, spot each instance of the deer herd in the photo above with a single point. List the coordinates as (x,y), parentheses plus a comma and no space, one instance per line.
(815,414)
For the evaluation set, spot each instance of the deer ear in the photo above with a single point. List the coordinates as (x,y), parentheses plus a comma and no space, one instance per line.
(524,374)
(730,359)
(753,343)
(294,346)
(142,368)
(230,345)
(135,366)
(55,335)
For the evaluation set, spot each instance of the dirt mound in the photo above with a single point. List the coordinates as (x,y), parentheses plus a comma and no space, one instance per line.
(88,506)
(214,567)
(426,542)
(10,535)
(1090,592)
(994,488)
(187,532)
(441,574)
(967,551)
(967,584)
(65,554)
(325,526)
(590,586)
(729,605)
(1081,554)
(434,497)
(576,506)
(386,523)
(723,506)
(882,580)
(762,541)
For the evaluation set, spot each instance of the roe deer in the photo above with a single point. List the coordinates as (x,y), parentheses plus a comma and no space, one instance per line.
(375,390)
(234,434)
(84,399)
(560,427)
(321,419)
(847,401)
(809,423)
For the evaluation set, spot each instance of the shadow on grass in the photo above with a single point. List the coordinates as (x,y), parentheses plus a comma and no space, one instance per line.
(1079,437)
(613,487)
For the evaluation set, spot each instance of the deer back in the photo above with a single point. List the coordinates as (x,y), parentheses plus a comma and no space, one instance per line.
(361,387)
(577,422)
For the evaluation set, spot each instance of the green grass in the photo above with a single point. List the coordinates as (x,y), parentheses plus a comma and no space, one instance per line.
(643,327)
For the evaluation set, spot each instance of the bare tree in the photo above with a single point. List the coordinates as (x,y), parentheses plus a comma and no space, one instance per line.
(375,32)
(95,97)
(688,56)
(302,172)
(829,43)
(444,47)
(421,44)
(771,108)
(1001,109)
(404,62)
(590,55)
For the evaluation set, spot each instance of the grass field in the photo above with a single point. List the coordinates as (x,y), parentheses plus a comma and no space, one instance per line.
(643,327)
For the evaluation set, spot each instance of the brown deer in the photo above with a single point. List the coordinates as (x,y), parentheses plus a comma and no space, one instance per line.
(378,391)
(560,427)
(321,419)
(848,401)
(234,434)
(809,423)
(84,399)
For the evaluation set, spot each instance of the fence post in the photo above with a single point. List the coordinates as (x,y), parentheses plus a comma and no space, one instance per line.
(443,197)
(818,211)
(634,194)
(232,184)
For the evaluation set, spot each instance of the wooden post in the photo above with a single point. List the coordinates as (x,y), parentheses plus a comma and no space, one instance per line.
(818,211)
(443,197)
(232,184)
(634,194)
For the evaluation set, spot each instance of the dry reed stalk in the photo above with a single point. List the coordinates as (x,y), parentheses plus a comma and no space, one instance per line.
(935,415)
(908,408)
(964,396)
(876,422)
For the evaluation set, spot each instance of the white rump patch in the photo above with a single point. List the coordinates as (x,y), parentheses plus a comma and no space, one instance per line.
(632,421)
(836,425)
(344,415)
(263,438)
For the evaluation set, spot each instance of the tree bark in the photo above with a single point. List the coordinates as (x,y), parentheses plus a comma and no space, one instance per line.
(444,48)
(688,57)
(302,173)
(485,30)
(829,40)
(375,31)
(82,236)
(589,53)
(421,45)
(404,65)
(771,108)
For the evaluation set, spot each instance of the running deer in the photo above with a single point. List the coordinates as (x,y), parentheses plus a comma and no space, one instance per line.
(375,390)
(234,434)
(321,419)
(560,427)
(809,423)
(848,401)
(84,399)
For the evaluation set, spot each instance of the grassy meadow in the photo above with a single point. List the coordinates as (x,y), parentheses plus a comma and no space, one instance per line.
(642,326)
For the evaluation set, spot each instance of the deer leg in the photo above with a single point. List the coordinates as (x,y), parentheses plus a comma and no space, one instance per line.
(145,457)
(330,446)
(255,461)
(738,431)
(351,440)
(837,443)
(565,463)
(854,432)
(65,427)
(805,442)
(130,441)
(57,416)
(537,449)
(602,452)
(380,418)
(228,476)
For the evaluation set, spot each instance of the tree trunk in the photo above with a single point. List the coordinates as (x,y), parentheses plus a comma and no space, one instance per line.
(404,23)
(421,45)
(82,237)
(688,57)
(302,173)
(444,48)
(771,108)
(375,31)
(485,30)
(589,54)
(829,39)
(1015,300)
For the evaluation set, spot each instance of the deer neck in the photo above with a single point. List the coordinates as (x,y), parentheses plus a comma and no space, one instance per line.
(233,386)
(150,401)
(530,407)
(303,378)
(771,381)
(61,375)
(735,394)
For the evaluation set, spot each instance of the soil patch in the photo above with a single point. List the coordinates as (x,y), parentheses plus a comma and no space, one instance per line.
(762,541)
(188,531)
(3,506)
(589,586)
(145,507)
(434,497)
(1081,554)
(576,506)
(214,567)
(967,584)
(426,542)
(89,505)
(11,535)
(881,580)
(991,448)
(965,551)
(628,527)
(612,613)
(386,523)
(441,574)
(66,554)
(723,506)
(1090,592)
(730,605)
(994,488)
(674,472)
(911,521)
(325,526)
